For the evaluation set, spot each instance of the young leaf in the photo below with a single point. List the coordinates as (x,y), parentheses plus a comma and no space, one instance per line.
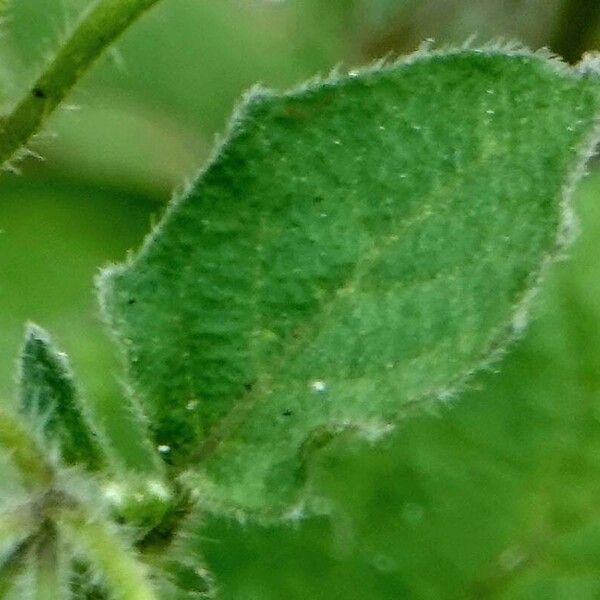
(13,564)
(25,451)
(186,576)
(48,396)
(357,247)
(100,544)
(84,584)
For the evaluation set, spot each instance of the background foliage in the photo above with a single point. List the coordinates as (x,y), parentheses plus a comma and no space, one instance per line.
(496,496)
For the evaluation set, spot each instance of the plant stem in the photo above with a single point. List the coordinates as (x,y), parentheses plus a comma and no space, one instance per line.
(101,546)
(25,451)
(48,584)
(98,27)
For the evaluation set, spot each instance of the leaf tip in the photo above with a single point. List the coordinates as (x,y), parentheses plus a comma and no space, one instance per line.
(35,335)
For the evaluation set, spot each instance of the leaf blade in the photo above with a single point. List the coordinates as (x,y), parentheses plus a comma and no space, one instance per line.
(47,395)
(357,246)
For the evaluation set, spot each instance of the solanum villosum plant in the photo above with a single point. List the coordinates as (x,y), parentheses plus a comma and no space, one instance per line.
(355,249)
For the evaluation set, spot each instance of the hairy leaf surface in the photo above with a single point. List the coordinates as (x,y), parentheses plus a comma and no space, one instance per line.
(48,397)
(357,247)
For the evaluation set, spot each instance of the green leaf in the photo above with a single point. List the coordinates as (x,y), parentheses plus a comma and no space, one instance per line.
(357,247)
(84,583)
(47,395)
(108,555)
(187,578)
(13,565)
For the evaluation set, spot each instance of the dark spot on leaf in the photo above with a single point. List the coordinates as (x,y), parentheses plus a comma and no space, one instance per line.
(248,386)
(131,301)
(287,412)
(38,93)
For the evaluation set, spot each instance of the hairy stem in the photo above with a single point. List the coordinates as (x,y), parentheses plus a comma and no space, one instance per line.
(25,451)
(122,573)
(98,27)
(48,584)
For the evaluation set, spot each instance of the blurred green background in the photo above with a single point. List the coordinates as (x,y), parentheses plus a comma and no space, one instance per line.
(496,496)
